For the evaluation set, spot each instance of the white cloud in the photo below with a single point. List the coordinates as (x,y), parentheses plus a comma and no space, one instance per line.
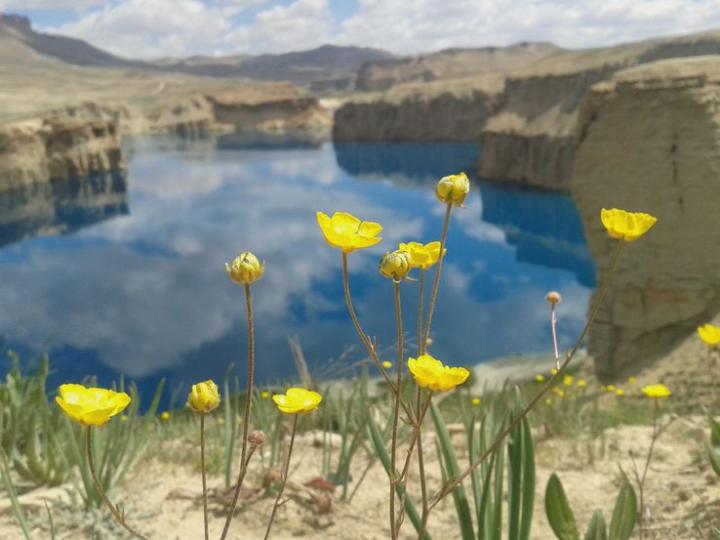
(31,5)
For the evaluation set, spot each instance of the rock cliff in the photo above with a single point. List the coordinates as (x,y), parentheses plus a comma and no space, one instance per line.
(57,148)
(525,122)
(649,140)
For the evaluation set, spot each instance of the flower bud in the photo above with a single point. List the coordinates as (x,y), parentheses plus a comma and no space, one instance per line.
(256,438)
(453,189)
(553,298)
(395,265)
(204,397)
(245,269)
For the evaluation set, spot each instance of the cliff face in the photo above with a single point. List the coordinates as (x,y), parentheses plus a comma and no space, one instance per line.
(453,111)
(649,140)
(57,148)
(525,127)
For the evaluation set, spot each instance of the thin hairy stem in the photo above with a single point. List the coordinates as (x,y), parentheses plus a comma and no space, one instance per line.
(284,477)
(119,517)
(436,277)
(421,458)
(452,484)
(248,403)
(202,468)
(396,411)
(364,338)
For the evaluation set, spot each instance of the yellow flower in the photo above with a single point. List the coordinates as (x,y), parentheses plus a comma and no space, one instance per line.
(245,269)
(433,374)
(422,256)
(709,334)
(540,377)
(124,418)
(395,265)
(619,392)
(475,401)
(559,392)
(554,371)
(347,232)
(656,391)
(610,388)
(548,401)
(386,364)
(582,383)
(627,226)
(91,406)
(632,380)
(297,400)
(568,380)
(453,189)
(165,416)
(204,397)
(264,394)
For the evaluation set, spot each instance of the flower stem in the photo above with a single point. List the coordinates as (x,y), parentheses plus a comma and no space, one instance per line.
(396,411)
(421,459)
(119,517)
(436,277)
(248,402)
(366,341)
(421,343)
(553,326)
(202,468)
(641,480)
(453,483)
(286,469)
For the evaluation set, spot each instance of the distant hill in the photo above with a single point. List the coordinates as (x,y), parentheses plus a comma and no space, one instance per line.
(327,66)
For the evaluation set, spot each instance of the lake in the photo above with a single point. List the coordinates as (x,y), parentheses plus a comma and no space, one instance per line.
(124,274)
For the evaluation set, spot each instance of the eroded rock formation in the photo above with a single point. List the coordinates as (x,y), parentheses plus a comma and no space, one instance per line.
(649,140)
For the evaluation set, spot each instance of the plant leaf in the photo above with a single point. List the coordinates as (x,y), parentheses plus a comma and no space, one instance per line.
(558,511)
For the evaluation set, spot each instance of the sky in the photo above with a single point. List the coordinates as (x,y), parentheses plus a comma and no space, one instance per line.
(160,28)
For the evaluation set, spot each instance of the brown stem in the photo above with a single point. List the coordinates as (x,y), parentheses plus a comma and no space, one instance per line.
(284,478)
(248,402)
(119,517)
(396,412)
(436,277)
(202,468)
(366,341)
(452,484)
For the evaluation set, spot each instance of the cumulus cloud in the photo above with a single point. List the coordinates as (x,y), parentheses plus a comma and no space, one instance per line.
(147,28)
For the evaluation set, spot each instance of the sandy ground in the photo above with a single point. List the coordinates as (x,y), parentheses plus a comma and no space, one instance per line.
(682,493)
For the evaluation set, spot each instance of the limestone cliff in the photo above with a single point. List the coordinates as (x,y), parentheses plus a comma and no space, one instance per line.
(448,111)
(57,148)
(649,140)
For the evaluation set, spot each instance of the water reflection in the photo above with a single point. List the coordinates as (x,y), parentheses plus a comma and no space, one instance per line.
(61,207)
(146,294)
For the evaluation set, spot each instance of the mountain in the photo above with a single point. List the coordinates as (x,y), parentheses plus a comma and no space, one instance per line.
(328,66)
(326,63)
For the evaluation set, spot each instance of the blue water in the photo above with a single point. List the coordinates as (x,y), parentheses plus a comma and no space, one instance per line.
(125,275)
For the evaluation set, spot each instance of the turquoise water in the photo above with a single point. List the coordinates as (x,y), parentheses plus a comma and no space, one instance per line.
(125,275)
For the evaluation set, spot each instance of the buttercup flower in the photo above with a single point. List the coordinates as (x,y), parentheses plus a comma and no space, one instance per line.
(91,406)
(619,392)
(568,380)
(387,364)
(165,416)
(627,226)
(453,189)
(433,374)
(656,391)
(582,383)
(422,256)
(475,401)
(540,377)
(264,394)
(559,392)
(709,334)
(204,397)
(632,380)
(395,265)
(347,232)
(245,268)
(297,400)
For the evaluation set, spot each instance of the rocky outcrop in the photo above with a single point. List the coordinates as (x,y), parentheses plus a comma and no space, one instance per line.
(57,148)
(449,111)
(649,140)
